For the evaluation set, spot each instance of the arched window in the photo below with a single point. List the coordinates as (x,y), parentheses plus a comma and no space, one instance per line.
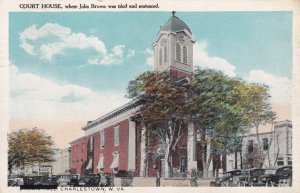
(178,52)
(160,56)
(165,54)
(184,52)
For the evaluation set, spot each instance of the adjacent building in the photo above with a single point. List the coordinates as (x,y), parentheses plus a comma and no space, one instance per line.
(276,148)
(62,158)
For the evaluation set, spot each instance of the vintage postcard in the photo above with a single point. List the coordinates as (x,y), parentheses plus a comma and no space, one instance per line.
(133,95)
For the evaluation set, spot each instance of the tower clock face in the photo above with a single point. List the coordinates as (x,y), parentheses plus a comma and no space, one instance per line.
(163,42)
(181,39)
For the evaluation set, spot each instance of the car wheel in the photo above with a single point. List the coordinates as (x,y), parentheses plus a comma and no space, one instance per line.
(269,184)
(241,184)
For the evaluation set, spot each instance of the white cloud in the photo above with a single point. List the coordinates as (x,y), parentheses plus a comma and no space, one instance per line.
(202,59)
(130,53)
(37,99)
(150,58)
(57,38)
(280,87)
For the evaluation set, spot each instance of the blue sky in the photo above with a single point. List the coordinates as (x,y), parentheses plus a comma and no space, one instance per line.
(79,55)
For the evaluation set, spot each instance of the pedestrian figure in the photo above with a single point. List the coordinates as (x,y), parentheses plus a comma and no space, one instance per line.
(194,178)
(157,179)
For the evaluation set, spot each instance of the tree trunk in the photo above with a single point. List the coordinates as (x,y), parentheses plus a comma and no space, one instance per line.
(205,172)
(206,164)
(167,162)
(259,147)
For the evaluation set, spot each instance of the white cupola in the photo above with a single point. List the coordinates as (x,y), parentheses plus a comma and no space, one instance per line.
(173,48)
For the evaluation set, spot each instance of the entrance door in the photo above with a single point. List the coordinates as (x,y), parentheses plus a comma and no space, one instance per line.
(183,164)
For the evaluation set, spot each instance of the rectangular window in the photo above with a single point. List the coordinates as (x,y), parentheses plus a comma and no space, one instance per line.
(116,135)
(280,161)
(250,146)
(102,139)
(183,164)
(290,161)
(198,136)
(91,143)
(178,52)
(184,52)
(265,144)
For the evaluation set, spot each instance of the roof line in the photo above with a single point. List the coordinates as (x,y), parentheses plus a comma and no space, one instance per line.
(133,103)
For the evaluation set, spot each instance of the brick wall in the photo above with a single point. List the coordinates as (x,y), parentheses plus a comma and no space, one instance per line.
(109,147)
(179,74)
(78,155)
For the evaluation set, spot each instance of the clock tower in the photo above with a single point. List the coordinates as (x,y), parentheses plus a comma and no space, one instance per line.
(173,48)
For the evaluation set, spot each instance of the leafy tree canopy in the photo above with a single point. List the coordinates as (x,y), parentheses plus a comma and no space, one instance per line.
(221,108)
(29,146)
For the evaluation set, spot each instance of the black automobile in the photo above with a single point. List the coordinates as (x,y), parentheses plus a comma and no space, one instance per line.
(88,181)
(47,182)
(73,180)
(283,176)
(32,179)
(226,179)
(105,180)
(15,181)
(67,179)
(277,176)
(267,178)
(249,177)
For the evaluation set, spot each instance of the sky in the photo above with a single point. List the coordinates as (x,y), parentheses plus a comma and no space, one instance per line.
(69,68)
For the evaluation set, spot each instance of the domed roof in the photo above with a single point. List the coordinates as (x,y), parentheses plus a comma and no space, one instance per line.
(175,24)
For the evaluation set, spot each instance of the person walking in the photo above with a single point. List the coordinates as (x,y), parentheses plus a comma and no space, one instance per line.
(157,179)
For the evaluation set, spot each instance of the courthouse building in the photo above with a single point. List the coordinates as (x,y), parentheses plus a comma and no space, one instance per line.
(115,142)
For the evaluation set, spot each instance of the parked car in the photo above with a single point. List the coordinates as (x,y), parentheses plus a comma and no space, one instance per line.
(277,176)
(32,179)
(89,181)
(249,177)
(67,179)
(46,182)
(283,176)
(73,180)
(226,179)
(267,178)
(104,180)
(15,182)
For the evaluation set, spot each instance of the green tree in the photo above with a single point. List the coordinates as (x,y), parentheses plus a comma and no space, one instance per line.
(217,113)
(29,146)
(225,108)
(220,107)
(163,111)
(256,101)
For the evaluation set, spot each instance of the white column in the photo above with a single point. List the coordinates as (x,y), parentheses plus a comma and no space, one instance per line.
(143,153)
(221,164)
(210,169)
(131,145)
(191,150)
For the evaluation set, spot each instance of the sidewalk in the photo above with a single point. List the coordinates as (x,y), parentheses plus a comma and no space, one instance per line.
(151,182)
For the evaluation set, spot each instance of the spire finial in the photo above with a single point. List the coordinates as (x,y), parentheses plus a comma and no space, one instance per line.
(173,13)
